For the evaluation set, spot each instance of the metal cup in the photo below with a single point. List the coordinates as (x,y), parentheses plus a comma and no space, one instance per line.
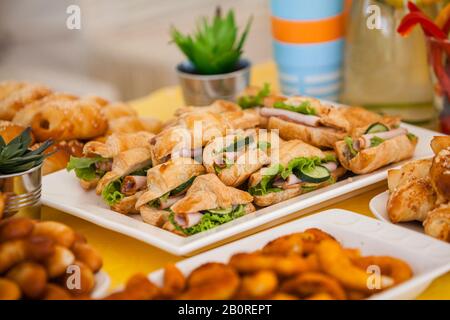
(23,192)
(202,90)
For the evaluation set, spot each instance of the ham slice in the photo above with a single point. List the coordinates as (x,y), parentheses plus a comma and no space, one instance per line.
(309,120)
(290,181)
(188,220)
(331,166)
(364,141)
(170,201)
(132,184)
(190,153)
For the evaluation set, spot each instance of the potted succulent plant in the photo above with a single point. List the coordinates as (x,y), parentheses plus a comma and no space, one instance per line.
(20,174)
(215,68)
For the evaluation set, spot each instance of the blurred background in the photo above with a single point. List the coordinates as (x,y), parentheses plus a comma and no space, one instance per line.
(322,48)
(122,50)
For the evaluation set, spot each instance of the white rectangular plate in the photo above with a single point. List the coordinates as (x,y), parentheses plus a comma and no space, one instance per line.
(429,258)
(62,191)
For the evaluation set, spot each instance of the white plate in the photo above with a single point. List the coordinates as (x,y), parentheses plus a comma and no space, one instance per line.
(102,283)
(62,191)
(378,207)
(429,258)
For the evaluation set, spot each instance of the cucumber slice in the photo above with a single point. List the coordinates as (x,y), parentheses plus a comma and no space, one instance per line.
(221,211)
(316,174)
(376,128)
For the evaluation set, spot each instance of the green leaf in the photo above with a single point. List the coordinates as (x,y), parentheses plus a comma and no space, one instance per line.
(264,145)
(329,158)
(238,144)
(85,168)
(303,108)
(111,193)
(411,136)
(349,142)
(376,141)
(182,187)
(209,220)
(300,164)
(247,102)
(16,157)
(214,47)
(265,185)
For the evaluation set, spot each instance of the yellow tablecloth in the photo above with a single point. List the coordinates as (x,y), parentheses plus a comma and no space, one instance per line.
(124,256)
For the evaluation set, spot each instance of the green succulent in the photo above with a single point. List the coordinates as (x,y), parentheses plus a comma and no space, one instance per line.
(16,156)
(214,48)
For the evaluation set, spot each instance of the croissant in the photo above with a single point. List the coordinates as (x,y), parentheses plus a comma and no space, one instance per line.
(437,223)
(69,120)
(411,201)
(123,164)
(131,124)
(14,96)
(117,143)
(440,179)
(26,114)
(118,110)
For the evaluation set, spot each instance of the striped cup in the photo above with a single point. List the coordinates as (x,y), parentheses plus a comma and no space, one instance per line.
(308,46)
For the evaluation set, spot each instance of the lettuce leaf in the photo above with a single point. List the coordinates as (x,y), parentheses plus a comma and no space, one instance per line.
(294,166)
(156,203)
(411,136)
(111,193)
(238,144)
(209,220)
(264,145)
(376,141)
(85,167)
(303,108)
(182,187)
(265,185)
(141,172)
(247,102)
(298,164)
(329,158)
(349,142)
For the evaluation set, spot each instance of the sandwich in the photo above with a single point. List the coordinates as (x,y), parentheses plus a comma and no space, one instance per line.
(167,183)
(380,145)
(121,187)
(208,203)
(307,119)
(236,156)
(301,168)
(186,136)
(98,156)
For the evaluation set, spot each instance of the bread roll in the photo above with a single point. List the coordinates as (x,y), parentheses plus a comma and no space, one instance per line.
(14,96)
(24,116)
(69,120)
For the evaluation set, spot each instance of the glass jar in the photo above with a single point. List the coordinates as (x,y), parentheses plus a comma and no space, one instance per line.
(384,71)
